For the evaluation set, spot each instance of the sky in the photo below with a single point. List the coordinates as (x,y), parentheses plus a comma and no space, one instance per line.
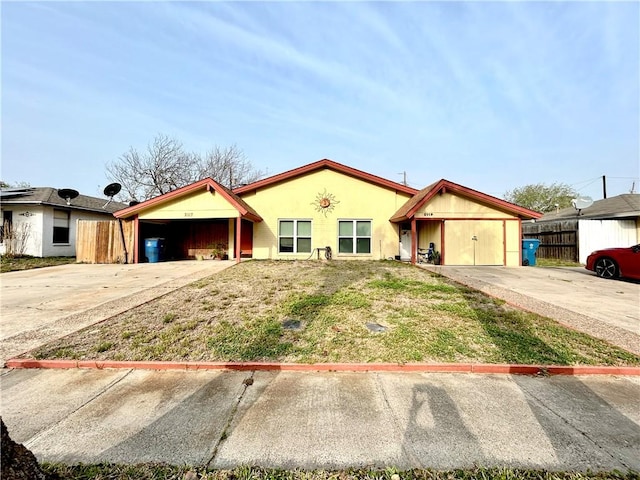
(489,95)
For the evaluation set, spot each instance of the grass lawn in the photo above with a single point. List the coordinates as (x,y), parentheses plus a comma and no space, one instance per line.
(242,314)
(550,262)
(26,262)
(165,472)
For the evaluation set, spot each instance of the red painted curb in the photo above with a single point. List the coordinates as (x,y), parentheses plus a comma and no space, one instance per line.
(478,368)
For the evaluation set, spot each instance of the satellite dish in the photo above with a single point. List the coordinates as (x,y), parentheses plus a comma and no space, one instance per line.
(111,190)
(582,202)
(133,203)
(68,194)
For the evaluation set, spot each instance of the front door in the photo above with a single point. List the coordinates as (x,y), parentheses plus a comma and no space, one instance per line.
(405,244)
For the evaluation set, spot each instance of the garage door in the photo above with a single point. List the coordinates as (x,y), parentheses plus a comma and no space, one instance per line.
(462,249)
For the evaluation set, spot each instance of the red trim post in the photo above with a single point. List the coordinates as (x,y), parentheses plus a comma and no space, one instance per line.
(442,222)
(520,242)
(414,240)
(136,239)
(238,232)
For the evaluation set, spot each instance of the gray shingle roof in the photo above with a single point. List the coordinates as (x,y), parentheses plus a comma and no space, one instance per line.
(49,196)
(621,206)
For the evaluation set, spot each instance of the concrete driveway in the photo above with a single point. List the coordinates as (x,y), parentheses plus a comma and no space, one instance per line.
(46,303)
(574,296)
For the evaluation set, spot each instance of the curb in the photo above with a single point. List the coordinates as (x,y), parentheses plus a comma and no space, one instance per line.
(477,368)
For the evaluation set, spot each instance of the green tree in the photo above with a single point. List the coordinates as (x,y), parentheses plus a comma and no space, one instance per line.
(542,197)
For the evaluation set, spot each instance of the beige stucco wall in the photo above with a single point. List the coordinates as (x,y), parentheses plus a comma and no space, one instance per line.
(449,205)
(497,232)
(196,205)
(297,199)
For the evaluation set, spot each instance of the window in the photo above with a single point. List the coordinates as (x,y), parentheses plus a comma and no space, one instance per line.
(60,226)
(7,225)
(354,236)
(294,236)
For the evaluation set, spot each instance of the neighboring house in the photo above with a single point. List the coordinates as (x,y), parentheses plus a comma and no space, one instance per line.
(298,213)
(573,234)
(37,222)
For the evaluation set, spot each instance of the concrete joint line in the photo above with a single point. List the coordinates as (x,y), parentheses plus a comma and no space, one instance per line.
(408,449)
(113,383)
(225,431)
(581,432)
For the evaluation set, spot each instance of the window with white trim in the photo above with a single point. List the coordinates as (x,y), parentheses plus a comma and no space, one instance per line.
(294,236)
(354,236)
(61,226)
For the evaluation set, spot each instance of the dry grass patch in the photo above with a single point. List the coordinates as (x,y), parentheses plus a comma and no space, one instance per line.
(240,315)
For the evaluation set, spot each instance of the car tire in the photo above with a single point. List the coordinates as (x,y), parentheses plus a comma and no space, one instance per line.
(606,268)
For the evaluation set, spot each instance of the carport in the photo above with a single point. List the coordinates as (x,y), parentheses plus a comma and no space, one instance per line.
(194,220)
(467,227)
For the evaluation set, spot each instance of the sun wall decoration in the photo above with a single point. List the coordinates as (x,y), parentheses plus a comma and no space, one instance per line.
(325,202)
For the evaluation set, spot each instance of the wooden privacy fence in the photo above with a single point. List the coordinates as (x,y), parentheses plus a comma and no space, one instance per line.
(558,240)
(101,241)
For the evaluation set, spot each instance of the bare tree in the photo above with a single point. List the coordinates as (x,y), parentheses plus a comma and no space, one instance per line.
(228,166)
(165,166)
(162,167)
(16,238)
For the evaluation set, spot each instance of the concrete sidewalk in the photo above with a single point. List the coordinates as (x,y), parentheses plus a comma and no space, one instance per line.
(324,420)
(43,304)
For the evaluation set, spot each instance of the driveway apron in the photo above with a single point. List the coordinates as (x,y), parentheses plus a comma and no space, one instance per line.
(43,304)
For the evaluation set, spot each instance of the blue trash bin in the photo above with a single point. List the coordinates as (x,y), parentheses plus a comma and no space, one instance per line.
(154,249)
(529,249)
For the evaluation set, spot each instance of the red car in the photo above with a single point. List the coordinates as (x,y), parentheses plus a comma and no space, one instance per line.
(615,262)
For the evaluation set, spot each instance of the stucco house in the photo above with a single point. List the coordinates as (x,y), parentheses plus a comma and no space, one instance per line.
(37,222)
(298,213)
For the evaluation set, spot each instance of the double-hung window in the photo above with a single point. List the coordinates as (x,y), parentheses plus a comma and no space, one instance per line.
(294,236)
(354,236)
(60,226)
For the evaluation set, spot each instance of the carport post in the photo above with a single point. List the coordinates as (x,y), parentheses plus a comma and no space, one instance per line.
(237,245)
(414,240)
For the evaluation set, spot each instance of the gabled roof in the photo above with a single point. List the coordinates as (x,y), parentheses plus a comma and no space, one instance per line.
(206,183)
(325,164)
(49,196)
(621,206)
(409,209)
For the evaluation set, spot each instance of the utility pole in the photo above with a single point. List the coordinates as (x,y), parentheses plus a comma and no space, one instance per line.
(604,186)
(404,181)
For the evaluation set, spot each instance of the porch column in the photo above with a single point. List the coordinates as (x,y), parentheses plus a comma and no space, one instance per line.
(442,223)
(136,239)
(414,240)
(237,242)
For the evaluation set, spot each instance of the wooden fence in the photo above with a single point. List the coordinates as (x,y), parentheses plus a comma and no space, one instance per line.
(558,240)
(102,241)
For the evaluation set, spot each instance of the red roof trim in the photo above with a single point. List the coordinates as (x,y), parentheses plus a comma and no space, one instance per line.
(445,186)
(208,183)
(326,163)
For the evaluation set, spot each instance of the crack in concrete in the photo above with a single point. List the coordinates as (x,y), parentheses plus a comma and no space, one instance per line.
(247,382)
(411,453)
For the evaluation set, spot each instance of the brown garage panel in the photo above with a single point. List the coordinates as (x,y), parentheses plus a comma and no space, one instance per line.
(460,249)
(197,237)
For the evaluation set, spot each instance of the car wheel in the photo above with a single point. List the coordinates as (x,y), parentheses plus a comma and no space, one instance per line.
(606,268)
